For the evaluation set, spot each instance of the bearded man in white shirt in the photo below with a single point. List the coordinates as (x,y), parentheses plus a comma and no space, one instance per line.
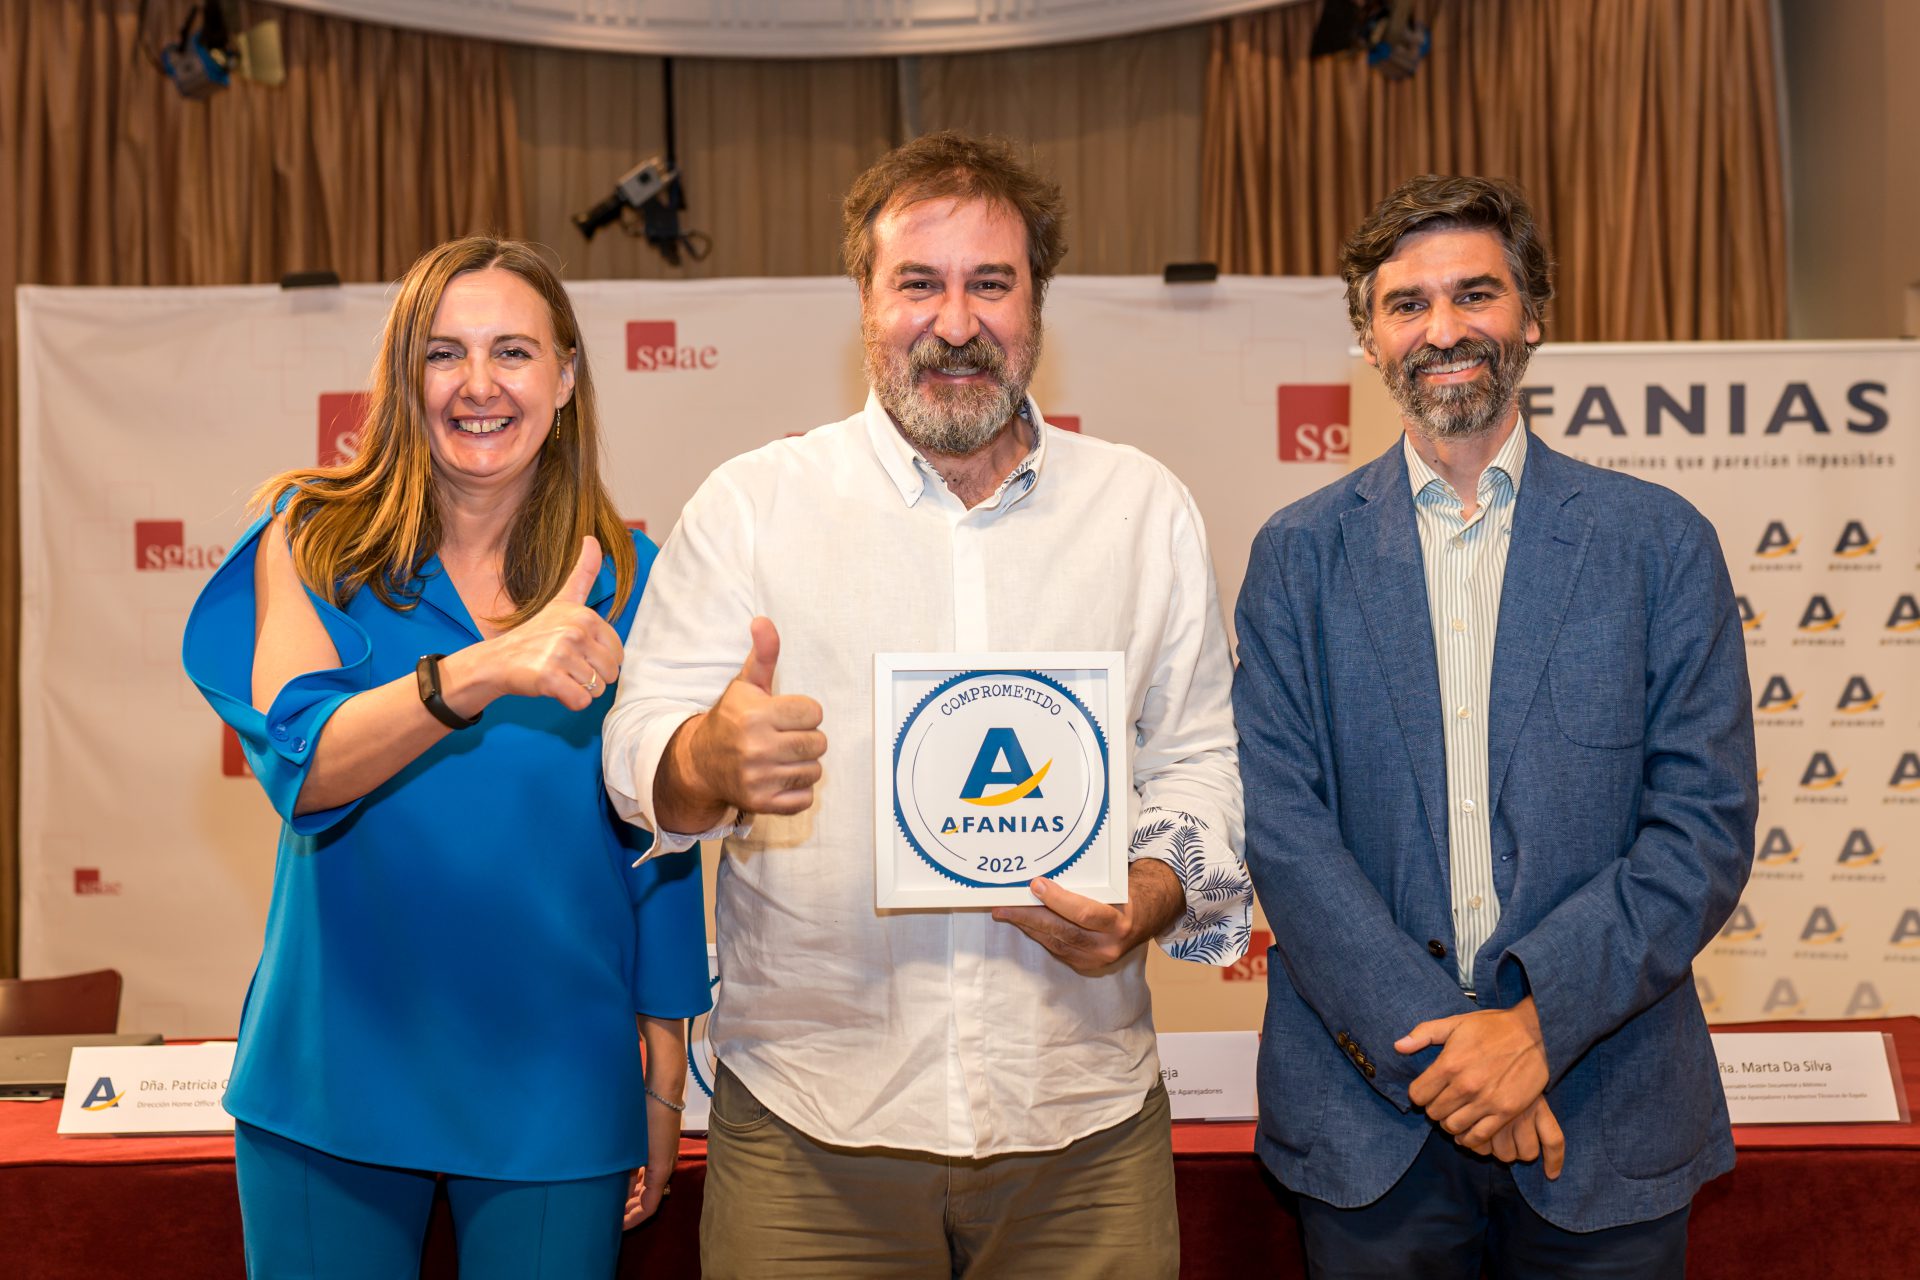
(910,1093)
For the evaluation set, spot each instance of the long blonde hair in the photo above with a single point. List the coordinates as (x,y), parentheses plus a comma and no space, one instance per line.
(374,520)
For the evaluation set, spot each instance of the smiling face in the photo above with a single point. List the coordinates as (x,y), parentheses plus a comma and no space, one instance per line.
(951,322)
(1449,333)
(492,384)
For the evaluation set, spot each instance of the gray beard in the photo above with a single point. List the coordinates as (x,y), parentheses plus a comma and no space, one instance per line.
(1464,410)
(954,420)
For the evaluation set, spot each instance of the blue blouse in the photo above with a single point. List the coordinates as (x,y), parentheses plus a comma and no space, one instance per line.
(453,961)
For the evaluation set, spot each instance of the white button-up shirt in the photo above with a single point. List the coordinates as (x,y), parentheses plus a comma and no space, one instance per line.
(1466,564)
(938,1031)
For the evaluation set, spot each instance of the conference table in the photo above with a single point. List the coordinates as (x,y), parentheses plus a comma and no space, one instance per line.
(1833,1200)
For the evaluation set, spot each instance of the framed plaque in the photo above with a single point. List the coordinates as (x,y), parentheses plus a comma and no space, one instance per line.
(991,769)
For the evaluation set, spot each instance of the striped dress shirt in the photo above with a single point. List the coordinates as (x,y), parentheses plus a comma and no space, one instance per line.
(1466,563)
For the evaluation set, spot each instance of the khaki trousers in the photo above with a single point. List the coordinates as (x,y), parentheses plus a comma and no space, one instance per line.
(779,1204)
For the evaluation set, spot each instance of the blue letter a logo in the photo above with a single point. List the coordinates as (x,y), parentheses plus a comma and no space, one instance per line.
(101,1096)
(1002,762)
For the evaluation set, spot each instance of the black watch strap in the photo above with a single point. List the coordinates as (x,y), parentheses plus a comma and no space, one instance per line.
(426,674)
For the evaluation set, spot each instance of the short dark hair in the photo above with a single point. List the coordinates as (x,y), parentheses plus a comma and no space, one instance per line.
(952,165)
(1436,202)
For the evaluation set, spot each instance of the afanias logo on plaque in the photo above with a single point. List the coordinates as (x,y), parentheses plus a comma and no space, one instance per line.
(1000,776)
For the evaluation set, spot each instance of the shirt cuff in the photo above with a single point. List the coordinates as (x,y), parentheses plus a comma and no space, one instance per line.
(1218,920)
(631,762)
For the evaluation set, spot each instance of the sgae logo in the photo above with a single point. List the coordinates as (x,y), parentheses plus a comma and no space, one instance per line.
(653,346)
(343,414)
(233,760)
(1000,776)
(1820,773)
(1777,697)
(1820,928)
(161,545)
(1819,616)
(1065,421)
(1857,698)
(1778,849)
(1741,926)
(1776,542)
(1313,422)
(101,1096)
(1858,850)
(89,883)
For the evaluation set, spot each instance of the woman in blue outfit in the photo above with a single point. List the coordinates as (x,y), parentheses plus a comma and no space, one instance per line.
(417,648)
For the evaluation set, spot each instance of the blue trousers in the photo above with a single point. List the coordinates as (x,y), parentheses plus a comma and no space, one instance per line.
(310,1215)
(1454,1213)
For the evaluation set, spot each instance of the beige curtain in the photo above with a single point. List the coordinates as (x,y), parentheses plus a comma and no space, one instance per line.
(767,149)
(1116,122)
(1645,132)
(381,143)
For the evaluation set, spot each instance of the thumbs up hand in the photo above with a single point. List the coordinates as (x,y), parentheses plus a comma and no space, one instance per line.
(754,750)
(566,651)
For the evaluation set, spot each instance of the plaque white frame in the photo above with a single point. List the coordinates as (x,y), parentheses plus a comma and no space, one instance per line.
(901,878)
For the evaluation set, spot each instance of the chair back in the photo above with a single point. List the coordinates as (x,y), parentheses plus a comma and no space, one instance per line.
(78,1004)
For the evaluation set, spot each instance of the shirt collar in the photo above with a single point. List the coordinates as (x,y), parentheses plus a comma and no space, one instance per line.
(1509,462)
(910,472)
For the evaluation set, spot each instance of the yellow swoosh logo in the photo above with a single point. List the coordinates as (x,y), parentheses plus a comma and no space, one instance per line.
(1008,797)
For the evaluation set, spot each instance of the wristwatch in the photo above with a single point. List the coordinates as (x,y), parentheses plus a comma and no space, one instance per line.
(426,674)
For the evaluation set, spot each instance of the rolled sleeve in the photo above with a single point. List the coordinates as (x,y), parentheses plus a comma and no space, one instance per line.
(217,650)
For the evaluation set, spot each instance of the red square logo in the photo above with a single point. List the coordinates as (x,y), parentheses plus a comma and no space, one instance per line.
(1252,967)
(1065,421)
(1313,423)
(641,525)
(342,414)
(153,539)
(233,761)
(651,344)
(86,879)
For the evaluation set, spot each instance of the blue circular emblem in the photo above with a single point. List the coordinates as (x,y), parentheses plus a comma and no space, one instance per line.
(1000,776)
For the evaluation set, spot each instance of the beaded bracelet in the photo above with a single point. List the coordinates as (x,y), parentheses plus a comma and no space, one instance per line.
(668,1103)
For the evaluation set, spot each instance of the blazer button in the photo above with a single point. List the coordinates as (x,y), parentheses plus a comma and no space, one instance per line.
(1436,948)
(1368,1068)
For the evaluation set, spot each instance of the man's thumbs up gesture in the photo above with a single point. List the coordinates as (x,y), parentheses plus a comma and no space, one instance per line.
(753,750)
(566,651)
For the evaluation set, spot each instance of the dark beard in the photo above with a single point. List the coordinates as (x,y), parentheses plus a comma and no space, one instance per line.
(954,420)
(1464,409)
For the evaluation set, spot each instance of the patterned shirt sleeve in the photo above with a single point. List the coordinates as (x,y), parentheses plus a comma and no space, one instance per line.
(1218,920)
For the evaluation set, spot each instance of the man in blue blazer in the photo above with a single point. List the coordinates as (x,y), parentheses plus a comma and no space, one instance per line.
(1500,784)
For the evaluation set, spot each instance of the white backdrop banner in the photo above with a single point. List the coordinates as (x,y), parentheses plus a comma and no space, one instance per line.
(1806,458)
(149,415)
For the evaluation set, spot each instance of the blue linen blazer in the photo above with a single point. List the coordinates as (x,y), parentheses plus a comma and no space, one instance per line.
(452,962)
(1623,796)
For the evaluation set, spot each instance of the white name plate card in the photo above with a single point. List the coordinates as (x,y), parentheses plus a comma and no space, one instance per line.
(1810,1077)
(992,769)
(1210,1074)
(144,1089)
